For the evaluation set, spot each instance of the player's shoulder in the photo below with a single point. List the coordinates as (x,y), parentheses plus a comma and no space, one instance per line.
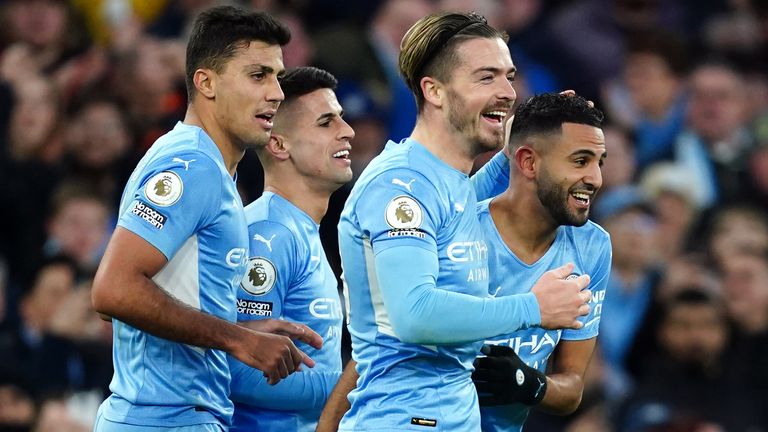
(400,163)
(590,241)
(590,232)
(269,223)
(187,148)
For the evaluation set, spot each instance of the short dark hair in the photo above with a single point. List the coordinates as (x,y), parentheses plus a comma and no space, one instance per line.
(546,113)
(429,46)
(670,48)
(220,31)
(691,295)
(304,80)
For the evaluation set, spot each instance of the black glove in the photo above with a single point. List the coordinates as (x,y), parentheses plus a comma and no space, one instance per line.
(502,378)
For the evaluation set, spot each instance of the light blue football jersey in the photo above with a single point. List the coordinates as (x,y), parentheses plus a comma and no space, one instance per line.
(181,199)
(407,196)
(589,248)
(288,277)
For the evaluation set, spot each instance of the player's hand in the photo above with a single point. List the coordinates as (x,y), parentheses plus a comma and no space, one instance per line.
(502,378)
(293,330)
(573,93)
(275,355)
(561,300)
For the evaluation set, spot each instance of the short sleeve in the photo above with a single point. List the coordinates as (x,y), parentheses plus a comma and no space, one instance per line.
(598,283)
(400,207)
(175,197)
(271,271)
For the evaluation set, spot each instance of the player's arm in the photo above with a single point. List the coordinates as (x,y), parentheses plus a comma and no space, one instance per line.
(565,382)
(338,402)
(502,378)
(123,289)
(308,389)
(421,313)
(493,177)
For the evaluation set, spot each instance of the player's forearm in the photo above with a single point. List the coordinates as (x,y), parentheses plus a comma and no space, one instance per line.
(338,402)
(420,313)
(136,300)
(308,389)
(563,395)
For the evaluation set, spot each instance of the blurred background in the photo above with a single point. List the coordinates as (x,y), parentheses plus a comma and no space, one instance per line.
(86,86)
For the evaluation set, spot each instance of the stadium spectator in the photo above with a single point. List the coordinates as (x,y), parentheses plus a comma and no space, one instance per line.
(626,214)
(649,99)
(695,367)
(716,140)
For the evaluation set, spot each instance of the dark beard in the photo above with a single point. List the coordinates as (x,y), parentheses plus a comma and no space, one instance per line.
(555,200)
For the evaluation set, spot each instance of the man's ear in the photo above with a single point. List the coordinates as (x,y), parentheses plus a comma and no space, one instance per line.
(205,82)
(433,91)
(526,161)
(277,147)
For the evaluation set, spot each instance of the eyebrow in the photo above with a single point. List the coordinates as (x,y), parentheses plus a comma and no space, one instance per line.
(494,70)
(585,152)
(329,115)
(261,68)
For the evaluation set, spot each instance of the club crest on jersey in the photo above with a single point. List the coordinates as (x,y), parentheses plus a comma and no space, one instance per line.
(164,189)
(404,212)
(260,277)
(572,276)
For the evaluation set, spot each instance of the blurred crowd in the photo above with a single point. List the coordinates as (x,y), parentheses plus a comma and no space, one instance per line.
(86,86)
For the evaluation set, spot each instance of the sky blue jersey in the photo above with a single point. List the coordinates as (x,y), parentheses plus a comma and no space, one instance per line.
(589,248)
(288,277)
(416,279)
(181,199)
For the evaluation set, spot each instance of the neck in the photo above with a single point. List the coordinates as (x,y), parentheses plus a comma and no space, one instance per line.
(205,120)
(448,146)
(311,199)
(524,225)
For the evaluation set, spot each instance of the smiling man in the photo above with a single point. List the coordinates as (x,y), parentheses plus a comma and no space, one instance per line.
(305,161)
(540,221)
(414,256)
(172,267)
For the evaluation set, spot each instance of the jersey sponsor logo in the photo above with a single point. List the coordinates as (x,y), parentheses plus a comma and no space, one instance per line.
(260,238)
(406,185)
(406,233)
(467,251)
(254,308)
(164,189)
(149,214)
(530,344)
(325,308)
(236,257)
(260,277)
(185,162)
(404,212)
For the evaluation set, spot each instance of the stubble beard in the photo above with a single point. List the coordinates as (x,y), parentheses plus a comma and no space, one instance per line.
(467,125)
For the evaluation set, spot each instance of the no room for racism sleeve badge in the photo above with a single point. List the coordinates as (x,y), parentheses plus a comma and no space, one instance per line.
(164,189)
(405,215)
